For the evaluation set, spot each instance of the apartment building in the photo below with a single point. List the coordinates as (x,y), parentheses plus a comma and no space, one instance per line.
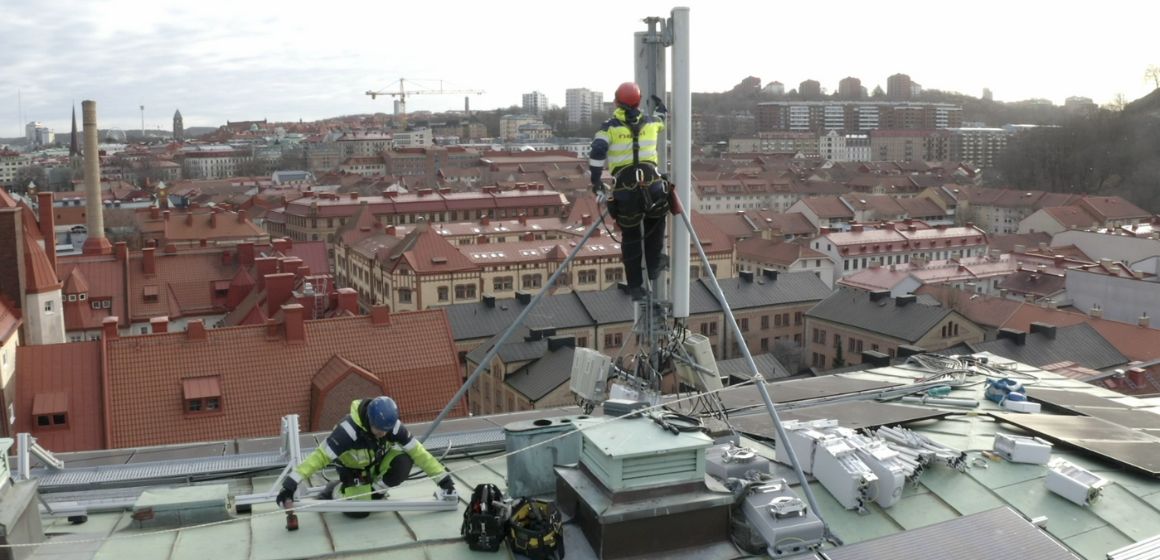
(855,116)
(895,243)
(849,322)
(318,216)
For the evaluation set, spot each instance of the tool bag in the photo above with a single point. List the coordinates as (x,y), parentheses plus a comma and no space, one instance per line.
(484,519)
(536,530)
(640,190)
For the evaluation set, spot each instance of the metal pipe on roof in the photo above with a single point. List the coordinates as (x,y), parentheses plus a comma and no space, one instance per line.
(486,360)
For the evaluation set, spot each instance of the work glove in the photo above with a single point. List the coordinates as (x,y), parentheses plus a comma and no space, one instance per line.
(660,106)
(289,486)
(447,484)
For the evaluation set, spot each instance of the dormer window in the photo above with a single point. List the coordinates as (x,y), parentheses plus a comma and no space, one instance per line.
(150,293)
(202,394)
(50,411)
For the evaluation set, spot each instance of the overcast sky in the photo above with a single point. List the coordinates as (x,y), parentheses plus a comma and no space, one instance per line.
(219,60)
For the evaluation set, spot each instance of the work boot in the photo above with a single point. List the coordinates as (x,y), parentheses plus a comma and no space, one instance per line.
(662,264)
(637,293)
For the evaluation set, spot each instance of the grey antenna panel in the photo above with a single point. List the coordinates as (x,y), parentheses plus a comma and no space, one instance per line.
(855,415)
(964,538)
(1131,448)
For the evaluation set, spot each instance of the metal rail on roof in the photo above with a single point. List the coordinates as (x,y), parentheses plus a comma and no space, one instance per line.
(67,479)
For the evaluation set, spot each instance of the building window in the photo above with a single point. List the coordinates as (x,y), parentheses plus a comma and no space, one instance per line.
(502,284)
(530,281)
(613,340)
(582,341)
(465,291)
(837,341)
(776,321)
(586,277)
(797,319)
(48,306)
(149,293)
(614,274)
(404,295)
(444,293)
(765,321)
(765,345)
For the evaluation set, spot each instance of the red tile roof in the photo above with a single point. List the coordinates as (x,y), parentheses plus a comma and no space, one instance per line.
(184,282)
(6,200)
(264,377)
(105,278)
(39,276)
(1072,217)
(73,371)
(426,252)
(9,322)
(775,251)
(1112,208)
(828,207)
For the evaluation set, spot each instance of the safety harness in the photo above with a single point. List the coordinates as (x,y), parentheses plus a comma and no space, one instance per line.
(633,193)
(536,530)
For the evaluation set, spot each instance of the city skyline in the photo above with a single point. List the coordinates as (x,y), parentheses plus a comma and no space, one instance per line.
(219,62)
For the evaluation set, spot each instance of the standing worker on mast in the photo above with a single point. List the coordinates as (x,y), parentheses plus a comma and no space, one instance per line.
(627,145)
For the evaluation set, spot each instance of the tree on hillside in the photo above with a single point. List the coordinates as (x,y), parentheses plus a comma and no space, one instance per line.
(1152,74)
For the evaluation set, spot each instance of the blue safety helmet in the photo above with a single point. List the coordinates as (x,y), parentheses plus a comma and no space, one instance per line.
(383,413)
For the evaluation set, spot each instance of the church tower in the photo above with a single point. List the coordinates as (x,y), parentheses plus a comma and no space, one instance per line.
(178,127)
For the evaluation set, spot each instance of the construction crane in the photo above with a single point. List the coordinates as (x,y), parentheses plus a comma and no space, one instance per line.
(402,94)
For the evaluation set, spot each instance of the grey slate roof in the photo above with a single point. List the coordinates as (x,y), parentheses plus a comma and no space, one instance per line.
(792,287)
(608,306)
(1079,343)
(516,349)
(853,308)
(476,320)
(542,376)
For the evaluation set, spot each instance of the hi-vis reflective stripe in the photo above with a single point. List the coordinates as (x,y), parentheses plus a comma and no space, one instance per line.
(595,162)
(602,135)
(328,451)
(349,429)
(411,444)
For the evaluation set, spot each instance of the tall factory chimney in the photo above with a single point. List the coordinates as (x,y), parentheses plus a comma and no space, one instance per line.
(96,243)
(466,105)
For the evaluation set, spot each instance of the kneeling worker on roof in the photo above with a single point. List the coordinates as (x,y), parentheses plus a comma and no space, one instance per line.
(371,450)
(627,144)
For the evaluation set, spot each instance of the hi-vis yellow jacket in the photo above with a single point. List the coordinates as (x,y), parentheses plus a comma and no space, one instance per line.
(612,146)
(352,445)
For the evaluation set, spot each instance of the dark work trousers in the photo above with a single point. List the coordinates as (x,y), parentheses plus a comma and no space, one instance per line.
(631,246)
(396,473)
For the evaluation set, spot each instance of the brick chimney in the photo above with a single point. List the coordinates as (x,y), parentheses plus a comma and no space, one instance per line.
(279,288)
(380,315)
(47,225)
(96,243)
(1137,376)
(242,216)
(348,300)
(148,261)
(281,245)
(154,213)
(586,219)
(109,328)
(295,323)
(121,251)
(159,324)
(264,266)
(246,253)
(293,265)
(195,331)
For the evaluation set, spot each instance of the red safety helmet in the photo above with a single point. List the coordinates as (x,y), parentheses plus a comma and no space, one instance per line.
(628,95)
